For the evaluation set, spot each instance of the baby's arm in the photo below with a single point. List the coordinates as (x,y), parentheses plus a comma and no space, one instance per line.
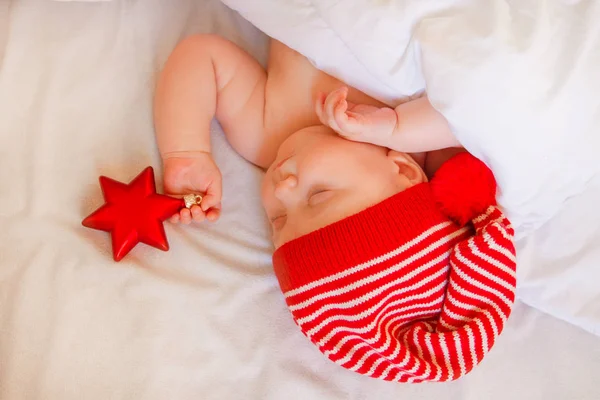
(204,77)
(412,127)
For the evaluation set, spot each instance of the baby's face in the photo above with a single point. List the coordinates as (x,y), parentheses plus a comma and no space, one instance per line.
(319,178)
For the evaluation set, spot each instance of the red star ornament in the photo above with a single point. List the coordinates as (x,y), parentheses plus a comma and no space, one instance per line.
(133,213)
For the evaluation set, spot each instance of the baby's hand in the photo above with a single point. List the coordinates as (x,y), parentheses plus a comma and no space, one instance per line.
(193,172)
(356,122)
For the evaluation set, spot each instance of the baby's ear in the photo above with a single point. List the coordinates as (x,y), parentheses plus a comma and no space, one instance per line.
(408,167)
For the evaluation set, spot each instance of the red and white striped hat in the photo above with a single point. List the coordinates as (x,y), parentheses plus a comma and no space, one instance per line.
(406,290)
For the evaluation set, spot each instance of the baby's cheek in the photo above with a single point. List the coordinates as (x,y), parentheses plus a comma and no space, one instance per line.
(265,187)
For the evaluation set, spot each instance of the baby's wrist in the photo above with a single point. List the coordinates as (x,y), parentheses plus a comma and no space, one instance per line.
(185,154)
(391,131)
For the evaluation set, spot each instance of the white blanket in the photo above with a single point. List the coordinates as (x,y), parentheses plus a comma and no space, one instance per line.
(517,80)
(205,320)
(519,83)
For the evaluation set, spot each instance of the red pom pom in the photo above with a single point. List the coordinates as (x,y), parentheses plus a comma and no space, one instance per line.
(464,188)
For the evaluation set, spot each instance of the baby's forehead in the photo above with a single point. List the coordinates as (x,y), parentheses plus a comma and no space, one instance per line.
(301,141)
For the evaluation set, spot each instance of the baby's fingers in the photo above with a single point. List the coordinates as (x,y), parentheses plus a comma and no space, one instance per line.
(335,104)
(319,105)
(185,216)
(214,213)
(350,123)
(197,214)
(209,201)
(212,198)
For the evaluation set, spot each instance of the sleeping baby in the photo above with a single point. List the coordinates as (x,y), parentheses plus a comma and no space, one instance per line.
(388,273)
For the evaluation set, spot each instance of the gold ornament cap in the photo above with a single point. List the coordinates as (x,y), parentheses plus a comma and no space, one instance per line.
(192,200)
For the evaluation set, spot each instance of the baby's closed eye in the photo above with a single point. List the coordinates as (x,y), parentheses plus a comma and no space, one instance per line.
(319,196)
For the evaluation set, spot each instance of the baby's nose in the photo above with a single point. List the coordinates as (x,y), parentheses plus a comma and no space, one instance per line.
(284,189)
